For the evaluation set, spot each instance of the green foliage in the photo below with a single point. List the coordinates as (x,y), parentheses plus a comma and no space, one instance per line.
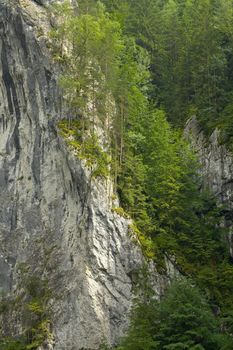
(33,306)
(104,346)
(181,320)
(120,211)
(160,189)
(38,334)
(86,147)
(190,44)
(158,181)
(147,244)
(93,79)
(81,41)
(189,323)
(4,305)
(169,54)
(9,344)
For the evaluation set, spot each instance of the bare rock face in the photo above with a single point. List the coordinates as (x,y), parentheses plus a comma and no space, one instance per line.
(56,224)
(216,168)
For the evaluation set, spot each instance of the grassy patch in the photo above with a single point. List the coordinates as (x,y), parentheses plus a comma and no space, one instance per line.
(86,147)
(120,211)
(147,244)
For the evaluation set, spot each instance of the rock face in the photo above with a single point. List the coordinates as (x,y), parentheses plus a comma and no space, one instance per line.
(216,169)
(55,223)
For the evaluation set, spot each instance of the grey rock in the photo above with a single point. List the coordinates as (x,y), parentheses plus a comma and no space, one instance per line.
(216,169)
(54,220)
(43,2)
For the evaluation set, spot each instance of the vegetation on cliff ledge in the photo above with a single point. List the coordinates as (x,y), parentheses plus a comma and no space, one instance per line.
(139,70)
(32,300)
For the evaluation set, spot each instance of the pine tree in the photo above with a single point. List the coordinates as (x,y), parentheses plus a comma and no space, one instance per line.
(181,320)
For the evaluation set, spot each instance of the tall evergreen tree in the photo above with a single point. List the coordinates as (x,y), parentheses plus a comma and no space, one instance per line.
(182,320)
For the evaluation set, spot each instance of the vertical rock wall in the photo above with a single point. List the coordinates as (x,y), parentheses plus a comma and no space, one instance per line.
(216,168)
(55,223)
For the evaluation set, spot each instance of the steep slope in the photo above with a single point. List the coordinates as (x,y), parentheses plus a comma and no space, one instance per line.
(216,168)
(56,225)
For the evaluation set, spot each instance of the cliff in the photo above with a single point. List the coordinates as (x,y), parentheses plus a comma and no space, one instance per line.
(216,169)
(56,224)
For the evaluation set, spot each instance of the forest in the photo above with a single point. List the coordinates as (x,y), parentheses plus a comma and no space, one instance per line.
(140,70)
(97,175)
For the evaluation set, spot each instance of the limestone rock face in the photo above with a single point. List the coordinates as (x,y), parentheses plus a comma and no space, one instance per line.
(216,168)
(56,224)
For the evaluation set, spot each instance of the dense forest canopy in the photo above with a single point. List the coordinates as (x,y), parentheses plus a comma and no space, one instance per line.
(190,45)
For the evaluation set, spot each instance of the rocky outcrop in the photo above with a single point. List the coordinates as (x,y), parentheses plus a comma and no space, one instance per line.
(216,168)
(56,224)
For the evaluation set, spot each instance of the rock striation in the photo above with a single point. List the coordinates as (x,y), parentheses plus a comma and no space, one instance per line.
(216,169)
(56,223)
